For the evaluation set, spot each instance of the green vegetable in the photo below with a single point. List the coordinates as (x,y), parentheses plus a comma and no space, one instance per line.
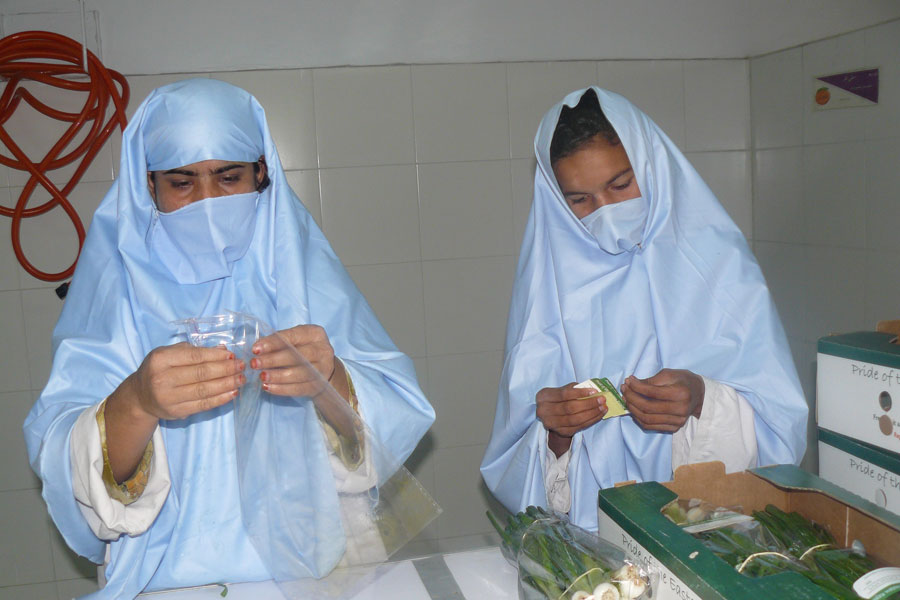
(556,558)
(777,541)
(795,533)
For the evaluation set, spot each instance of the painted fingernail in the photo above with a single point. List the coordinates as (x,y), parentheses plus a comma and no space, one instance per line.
(254,363)
(257,349)
(265,386)
(264,376)
(242,379)
(231,356)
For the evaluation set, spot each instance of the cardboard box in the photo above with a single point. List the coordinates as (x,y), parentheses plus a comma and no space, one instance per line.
(866,470)
(858,387)
(630,517)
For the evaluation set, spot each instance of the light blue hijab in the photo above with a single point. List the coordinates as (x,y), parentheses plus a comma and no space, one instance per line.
(121,305)
(691,297)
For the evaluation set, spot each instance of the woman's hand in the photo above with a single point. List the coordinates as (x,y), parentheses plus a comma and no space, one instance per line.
(173,382)
(665,401)
(278,365)
(565,411)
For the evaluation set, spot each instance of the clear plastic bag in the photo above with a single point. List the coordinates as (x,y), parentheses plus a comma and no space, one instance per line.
(322,500)
(695,515)
(557,560)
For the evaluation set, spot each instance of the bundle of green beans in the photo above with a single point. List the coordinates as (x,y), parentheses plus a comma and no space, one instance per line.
(558,560)
(796,533)
(789,542)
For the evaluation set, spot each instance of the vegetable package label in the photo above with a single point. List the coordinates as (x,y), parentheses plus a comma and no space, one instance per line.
(604,389)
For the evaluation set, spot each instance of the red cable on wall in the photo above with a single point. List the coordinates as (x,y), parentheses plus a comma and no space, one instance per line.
(49,58)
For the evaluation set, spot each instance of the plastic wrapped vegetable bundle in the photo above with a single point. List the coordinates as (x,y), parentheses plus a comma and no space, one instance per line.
(557,560)
(776,541)
(324,504)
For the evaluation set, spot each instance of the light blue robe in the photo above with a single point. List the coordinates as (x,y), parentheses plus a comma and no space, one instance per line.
(121,305)
(691,297)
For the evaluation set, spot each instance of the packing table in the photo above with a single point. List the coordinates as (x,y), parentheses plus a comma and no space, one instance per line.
(468,575)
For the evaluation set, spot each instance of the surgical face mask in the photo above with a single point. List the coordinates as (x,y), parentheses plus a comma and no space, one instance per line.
(618,227)
(201,241)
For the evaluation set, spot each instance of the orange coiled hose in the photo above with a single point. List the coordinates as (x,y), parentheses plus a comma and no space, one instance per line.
(48,58)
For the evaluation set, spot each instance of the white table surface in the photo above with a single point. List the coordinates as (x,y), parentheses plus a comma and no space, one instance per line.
(478,574)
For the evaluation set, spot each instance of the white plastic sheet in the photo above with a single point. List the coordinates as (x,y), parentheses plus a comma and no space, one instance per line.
(322,500)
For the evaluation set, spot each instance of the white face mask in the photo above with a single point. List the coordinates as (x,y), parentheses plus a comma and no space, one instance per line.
(201,241)
(618,227)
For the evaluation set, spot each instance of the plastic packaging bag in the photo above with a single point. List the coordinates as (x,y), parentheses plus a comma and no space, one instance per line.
(561,561)
(322,500)
(695,515)
(753,550)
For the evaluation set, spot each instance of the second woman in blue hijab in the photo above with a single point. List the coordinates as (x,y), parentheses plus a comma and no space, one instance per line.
(631,270)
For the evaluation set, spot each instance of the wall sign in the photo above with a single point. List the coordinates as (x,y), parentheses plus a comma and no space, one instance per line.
(844,90)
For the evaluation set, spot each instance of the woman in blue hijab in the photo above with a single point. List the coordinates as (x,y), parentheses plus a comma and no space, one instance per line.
(200,220)
(631,270)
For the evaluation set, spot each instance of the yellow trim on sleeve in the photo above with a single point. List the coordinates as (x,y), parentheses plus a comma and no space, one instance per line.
(131,489)
(347,449)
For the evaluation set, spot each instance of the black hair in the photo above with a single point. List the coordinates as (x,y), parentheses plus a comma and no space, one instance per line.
(256,167)
(266,181)
(579,125)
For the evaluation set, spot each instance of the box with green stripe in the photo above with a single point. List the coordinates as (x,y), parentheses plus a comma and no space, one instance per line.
(864,469)
(630,516)
(858,387)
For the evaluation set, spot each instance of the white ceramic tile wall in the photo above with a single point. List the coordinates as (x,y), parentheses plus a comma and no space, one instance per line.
(9,266)
(462,387)
(778,214)
(38,591)
(533,89)
(395,293)
(882,286)
(15,473)
(834,194)
(287,97)
(421,178)
(40,311)
(306,185)
(466,303)
(728,176)
(14,366)
(49,241)
(658,88)
(25,555)
(776,95)
(842,163)
(830,273)
(835,55)
(804,354)
(882,47)
(716,105)
(465,209)
(371,214)
(523,193)
(36,134)
(461,112)
(364,116)
(882,186)
(785,269)
(66,564)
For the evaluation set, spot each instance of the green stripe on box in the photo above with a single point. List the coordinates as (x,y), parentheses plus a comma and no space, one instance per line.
(890,461)
(637,509)
(865,346)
